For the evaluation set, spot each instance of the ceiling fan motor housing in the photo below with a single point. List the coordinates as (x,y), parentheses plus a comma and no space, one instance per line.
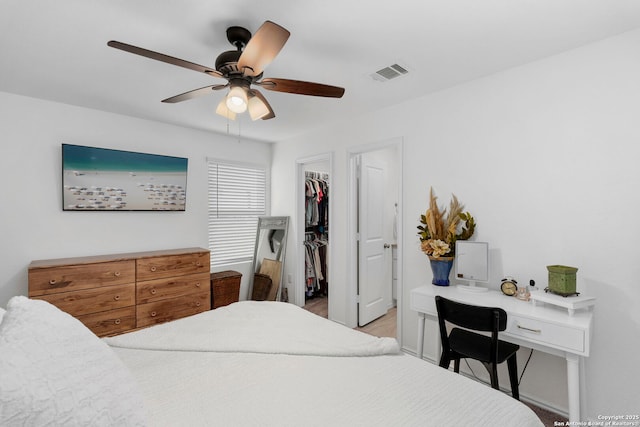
(227,62)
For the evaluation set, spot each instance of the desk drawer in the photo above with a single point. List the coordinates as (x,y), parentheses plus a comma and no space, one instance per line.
(550,334)
(424,303)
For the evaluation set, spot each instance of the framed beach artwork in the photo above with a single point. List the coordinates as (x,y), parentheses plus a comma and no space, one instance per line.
(102,179)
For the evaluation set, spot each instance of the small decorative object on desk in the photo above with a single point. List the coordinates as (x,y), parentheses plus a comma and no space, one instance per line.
(523,293)
(438,232)
(562,280)
(441,268)
(509,286)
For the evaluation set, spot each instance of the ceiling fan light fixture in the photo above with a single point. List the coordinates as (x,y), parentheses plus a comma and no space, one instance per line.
(257,108)
(223,111)
(237,99)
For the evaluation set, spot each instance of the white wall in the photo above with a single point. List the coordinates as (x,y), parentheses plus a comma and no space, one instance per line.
(544,156)
(32,223)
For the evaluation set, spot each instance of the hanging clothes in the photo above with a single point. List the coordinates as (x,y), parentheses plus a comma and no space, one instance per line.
(317,229)
(315,265)
(316,200)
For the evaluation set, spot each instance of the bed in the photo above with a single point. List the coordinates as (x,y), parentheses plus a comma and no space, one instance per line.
(247,364)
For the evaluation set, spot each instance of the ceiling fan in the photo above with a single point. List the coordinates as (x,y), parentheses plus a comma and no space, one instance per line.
(242,68)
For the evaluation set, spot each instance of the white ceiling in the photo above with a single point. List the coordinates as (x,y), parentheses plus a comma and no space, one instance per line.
(57,50)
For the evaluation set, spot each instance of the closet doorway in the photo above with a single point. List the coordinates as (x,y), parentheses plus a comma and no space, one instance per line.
(313,219)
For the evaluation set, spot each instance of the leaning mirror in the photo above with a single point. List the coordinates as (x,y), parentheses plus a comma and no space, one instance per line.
(268,258)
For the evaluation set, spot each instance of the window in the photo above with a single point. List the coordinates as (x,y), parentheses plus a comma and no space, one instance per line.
(237,197)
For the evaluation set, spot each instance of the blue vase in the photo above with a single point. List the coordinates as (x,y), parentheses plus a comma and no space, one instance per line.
(441,267)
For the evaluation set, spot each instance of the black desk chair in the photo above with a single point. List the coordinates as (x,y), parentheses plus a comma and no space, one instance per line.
(462,343)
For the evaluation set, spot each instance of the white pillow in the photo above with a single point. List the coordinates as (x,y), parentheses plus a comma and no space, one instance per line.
(55,371)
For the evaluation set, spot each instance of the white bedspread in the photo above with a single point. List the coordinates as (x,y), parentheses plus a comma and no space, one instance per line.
(250,389)
(235,373)
(257,327)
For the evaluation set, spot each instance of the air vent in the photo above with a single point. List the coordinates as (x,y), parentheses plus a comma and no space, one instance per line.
(390,72)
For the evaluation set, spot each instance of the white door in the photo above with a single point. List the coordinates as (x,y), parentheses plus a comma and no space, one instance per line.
(372,276)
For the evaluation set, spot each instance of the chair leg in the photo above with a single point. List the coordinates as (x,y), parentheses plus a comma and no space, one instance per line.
(444,361)
(493,374)
(456,365)
(512,364)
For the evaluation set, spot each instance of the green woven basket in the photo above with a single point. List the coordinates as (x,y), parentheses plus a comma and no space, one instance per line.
(562,279)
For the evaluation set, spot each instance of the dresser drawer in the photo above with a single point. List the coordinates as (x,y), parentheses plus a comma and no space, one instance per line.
(171,309)
(550,334)
(159,289)
(171,265)
(110,322)
(78,303)
(43,281)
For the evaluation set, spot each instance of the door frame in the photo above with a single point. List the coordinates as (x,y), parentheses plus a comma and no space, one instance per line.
(299,294)
(352,230)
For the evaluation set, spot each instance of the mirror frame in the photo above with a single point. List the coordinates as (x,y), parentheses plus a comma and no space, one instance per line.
(270,223)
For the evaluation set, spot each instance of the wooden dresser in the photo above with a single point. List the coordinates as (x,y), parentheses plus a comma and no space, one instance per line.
(112,294)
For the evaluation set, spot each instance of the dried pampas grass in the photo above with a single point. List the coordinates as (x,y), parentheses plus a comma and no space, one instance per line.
(441,227)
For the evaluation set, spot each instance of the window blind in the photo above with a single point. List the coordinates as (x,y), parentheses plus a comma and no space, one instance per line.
(237,197)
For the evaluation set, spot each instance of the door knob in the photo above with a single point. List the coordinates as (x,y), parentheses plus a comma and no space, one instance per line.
(387,246)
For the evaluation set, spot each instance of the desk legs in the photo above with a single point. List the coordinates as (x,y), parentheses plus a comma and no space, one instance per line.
(437,344)
(421,319)
(573,385)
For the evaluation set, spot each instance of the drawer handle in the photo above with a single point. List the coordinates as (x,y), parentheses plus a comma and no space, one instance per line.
(198,304)
(537,331)
(117,274)
(198,264)
(117,321)
(52,282)
(198,285)
(153,291)
(116,297)
(153,314)
(153,269)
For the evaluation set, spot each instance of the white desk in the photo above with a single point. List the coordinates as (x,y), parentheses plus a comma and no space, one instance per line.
(540,326)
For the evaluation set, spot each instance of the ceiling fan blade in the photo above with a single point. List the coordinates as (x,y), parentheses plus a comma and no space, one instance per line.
(264,104)
(164,58)
(193,93)
(265,44)
(301,88)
